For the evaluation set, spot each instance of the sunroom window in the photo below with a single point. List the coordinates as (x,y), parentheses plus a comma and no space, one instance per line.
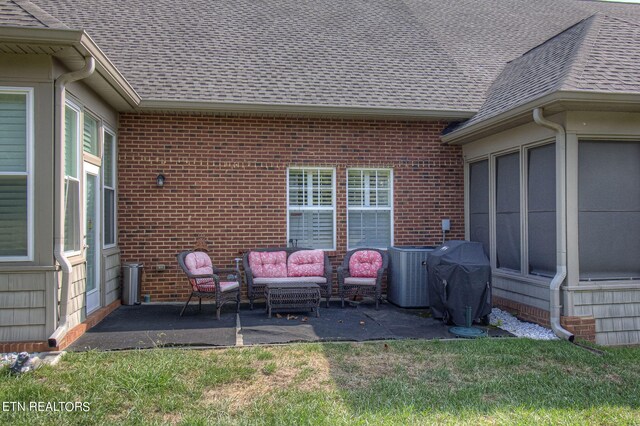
(508,212)
(72,180)
(15,174)
(311,207)
(609,210)
(479,203)
(109,182)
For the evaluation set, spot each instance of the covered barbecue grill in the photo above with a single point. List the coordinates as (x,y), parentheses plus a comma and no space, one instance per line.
(459,275)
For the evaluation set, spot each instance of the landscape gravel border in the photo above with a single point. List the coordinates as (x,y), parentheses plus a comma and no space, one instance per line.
(513,325)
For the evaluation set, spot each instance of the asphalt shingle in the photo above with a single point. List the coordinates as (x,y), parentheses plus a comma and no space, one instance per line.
(405,54)
(599,54)
(24,13)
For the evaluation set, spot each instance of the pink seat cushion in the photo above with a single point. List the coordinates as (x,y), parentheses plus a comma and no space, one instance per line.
(268,264)
(306,263)
(199,263)
(365,264)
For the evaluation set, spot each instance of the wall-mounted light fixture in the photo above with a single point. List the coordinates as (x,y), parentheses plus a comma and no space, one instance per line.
(160,180)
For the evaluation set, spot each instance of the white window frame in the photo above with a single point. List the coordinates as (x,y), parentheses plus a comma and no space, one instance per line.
(28,91)
(390,208)
(108,130)
(79,170)
(314,208)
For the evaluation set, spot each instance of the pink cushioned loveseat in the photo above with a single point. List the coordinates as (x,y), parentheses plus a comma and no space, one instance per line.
(286,264)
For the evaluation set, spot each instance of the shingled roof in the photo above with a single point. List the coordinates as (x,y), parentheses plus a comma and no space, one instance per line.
(398,54)
(23,13)
(600,54)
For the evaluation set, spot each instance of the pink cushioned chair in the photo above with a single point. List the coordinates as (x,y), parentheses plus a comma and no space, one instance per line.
(205,280)
(361,274)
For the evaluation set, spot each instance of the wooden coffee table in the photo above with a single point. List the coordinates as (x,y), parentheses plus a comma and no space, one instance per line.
(292,297)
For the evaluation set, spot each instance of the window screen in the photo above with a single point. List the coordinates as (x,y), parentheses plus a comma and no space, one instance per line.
(312,208)
(541,201)
(479,203)
(369,208)
(609,210)
(508,211)
(14,175)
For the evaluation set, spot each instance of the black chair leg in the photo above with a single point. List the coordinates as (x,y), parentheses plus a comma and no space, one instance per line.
(200,304)
(186,304)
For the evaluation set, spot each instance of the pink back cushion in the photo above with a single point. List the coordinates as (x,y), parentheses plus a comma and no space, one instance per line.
(365,264)
(268,264)
(306,263)
(199,263)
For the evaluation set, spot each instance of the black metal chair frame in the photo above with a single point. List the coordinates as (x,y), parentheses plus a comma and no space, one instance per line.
(220,297)
(349,290)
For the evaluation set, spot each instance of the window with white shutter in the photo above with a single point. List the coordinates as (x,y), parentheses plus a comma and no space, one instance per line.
(16,206)
(311,207)
(369,208)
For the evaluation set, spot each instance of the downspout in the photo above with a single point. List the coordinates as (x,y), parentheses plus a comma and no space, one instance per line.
(561,224)
(58,228)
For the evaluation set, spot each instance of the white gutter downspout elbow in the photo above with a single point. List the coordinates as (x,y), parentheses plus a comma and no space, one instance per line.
(58,228)
(561,224)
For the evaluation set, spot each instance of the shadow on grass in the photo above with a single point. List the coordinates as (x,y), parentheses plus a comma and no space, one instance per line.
(503,381)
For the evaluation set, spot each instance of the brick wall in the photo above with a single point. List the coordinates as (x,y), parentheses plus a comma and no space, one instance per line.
(581,327)
(226,180)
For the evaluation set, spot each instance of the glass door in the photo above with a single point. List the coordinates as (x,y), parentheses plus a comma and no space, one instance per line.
(92,235)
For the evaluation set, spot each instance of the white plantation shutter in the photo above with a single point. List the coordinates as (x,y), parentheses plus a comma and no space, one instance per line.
(13,132)
(369,205)
(312,208)
(90,135)
(13,216)
(14,174)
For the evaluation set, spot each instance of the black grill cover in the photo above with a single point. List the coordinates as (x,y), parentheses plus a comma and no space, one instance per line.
(459,275)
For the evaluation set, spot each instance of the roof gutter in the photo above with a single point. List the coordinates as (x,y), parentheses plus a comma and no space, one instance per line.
(304,110)
(561,224)
(84,44)
(59,213)
(498,122)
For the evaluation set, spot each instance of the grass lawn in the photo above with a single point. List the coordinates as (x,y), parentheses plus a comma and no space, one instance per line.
(500,381)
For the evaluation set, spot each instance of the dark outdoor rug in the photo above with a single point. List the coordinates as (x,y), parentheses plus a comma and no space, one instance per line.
(158,325)
(359,323)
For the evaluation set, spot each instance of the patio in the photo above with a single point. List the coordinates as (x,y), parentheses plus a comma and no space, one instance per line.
(160,325)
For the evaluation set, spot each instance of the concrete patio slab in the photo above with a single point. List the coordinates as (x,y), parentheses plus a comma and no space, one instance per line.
(160,325)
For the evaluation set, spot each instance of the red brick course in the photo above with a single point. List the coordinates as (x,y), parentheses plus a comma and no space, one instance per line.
(582,327)
(226,181)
